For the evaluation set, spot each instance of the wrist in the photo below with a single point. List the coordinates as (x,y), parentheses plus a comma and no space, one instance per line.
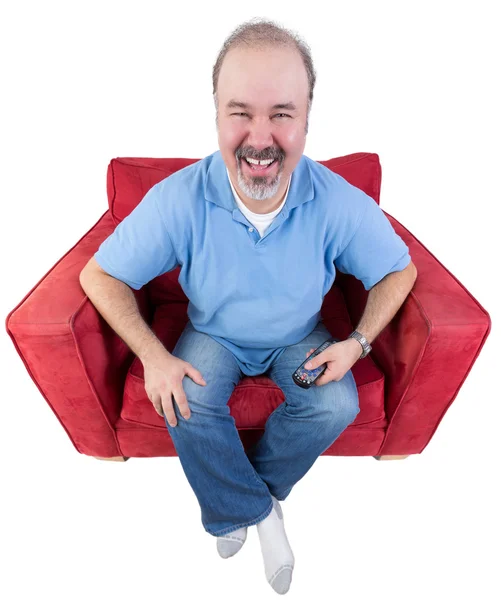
(357,347)
(362,341)
(153,351)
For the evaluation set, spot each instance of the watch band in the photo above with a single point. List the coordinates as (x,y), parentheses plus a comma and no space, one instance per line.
(363,342)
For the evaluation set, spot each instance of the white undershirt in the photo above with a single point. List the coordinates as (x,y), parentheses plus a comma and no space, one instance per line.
(260,222)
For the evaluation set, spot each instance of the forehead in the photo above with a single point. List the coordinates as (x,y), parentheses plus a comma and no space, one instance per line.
(270,78)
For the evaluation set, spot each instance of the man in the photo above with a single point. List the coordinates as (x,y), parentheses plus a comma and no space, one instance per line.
(259,230)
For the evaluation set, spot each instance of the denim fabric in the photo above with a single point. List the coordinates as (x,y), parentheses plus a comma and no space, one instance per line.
(233,487)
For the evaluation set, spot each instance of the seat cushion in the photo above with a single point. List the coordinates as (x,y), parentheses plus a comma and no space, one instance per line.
(255,398)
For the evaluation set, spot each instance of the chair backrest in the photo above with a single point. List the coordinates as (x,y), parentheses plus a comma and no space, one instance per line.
(128,179)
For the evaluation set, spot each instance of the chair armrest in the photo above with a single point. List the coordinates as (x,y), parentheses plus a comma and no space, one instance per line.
(75,358)
(426,351)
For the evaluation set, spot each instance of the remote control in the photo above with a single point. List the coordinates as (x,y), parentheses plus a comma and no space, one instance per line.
(304,377)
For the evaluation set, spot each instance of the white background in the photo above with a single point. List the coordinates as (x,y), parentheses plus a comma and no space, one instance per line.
(86,82)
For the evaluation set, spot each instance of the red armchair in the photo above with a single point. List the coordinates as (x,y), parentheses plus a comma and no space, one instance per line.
(95,386)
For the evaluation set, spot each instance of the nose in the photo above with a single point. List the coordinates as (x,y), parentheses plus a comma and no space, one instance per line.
(260,135)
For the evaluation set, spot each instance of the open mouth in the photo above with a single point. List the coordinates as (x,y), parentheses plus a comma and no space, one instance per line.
(259,169)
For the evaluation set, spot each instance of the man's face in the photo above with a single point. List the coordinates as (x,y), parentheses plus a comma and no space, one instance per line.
(261,79)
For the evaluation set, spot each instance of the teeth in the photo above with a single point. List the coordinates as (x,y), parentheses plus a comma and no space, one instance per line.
(260,162)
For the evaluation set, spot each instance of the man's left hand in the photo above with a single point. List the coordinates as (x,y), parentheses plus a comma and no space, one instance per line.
(339,357)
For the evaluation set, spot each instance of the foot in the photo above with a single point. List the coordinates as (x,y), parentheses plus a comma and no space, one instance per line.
(230,544)
(277,553)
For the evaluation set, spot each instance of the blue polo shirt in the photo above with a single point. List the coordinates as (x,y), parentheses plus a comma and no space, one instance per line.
(253,294)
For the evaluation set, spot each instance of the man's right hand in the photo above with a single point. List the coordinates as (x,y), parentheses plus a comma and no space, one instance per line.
(163,377)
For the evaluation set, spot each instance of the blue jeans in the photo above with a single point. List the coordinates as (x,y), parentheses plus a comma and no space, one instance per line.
(233,487)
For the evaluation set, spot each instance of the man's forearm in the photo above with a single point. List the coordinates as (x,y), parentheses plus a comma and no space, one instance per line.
(116,302)
(384,300)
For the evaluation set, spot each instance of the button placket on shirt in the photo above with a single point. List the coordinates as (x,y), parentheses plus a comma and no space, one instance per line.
(256,238)
(255,235)
(276,223)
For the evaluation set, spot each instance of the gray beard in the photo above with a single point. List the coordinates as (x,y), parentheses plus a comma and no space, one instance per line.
(259,188)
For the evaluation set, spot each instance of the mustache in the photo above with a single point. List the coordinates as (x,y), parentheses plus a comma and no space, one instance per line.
(273,154)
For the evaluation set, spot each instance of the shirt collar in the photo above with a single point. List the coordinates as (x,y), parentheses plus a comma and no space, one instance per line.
(217,188)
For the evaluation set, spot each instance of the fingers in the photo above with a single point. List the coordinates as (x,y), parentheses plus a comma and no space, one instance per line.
(179,397)
(168,408)
(157,403)
(182,402)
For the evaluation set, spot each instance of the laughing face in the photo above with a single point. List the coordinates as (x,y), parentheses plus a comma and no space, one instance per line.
(262,117)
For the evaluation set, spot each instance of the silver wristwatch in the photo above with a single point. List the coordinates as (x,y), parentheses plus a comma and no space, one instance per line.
(365,344)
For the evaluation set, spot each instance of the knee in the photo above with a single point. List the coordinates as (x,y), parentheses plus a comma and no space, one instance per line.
(343,408)
(342,417)
(206,403)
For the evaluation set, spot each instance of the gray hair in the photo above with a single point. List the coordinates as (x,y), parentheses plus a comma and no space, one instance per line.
(263,33)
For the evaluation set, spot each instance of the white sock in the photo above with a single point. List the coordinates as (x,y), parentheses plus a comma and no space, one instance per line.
(277,553)
(230,544)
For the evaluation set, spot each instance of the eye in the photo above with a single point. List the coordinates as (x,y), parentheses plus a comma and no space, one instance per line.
(277,115)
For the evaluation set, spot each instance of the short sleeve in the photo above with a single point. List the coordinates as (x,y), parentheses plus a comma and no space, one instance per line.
(139,249)
(375,249)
